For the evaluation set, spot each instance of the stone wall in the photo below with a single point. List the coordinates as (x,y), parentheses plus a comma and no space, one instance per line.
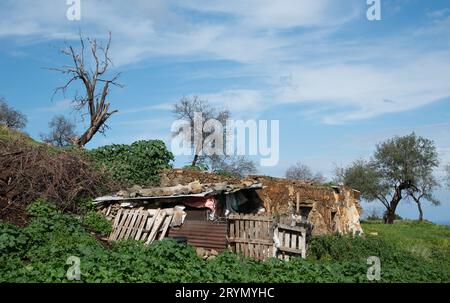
(332,209)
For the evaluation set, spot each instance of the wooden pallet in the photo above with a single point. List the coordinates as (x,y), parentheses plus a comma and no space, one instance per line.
(140,224)
(290,241)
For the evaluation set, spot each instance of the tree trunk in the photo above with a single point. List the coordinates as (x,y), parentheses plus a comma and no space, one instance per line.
(194,161)
(390,214)
(419,206)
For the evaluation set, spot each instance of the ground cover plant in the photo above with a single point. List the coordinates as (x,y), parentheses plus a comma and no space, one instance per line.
(39,252)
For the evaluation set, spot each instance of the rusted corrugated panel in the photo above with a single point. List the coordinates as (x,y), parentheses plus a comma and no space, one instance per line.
(205,234)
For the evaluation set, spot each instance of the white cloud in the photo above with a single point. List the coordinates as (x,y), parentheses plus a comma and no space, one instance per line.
(358,78)
(57,107)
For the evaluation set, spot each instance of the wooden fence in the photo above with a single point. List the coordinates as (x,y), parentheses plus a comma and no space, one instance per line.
(251,235)
(261,237)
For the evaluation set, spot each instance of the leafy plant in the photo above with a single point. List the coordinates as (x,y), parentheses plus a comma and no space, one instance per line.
(138,163)
(409,252)
(97,223)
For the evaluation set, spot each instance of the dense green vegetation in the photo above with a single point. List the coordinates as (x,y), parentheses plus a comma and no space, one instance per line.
(409,252)
(138,163)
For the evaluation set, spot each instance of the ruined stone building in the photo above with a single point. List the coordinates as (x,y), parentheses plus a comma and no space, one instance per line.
(196,206)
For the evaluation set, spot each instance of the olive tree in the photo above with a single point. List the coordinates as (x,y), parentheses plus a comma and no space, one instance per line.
(189,109)
(11,117)
(423,190)
(62,132)
(447,175)
(197,112)
(398,168)
(300,171)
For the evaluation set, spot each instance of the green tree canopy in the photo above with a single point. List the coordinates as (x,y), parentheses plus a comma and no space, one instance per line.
(399,165)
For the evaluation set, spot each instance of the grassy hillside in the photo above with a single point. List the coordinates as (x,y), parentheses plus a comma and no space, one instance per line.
(426,240)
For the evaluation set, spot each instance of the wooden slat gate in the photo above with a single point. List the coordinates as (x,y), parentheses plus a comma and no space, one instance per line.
(251,235)
(261,237)
(289,241)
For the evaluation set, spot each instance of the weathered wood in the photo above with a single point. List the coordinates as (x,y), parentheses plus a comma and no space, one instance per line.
(136,223)
(121,223)
(250,217)
(165,226)
(141,225)
(292,228)
(109,210)
(117,218)
(290,250)
(130,227)
(156,226)
(149,225)
(126,224)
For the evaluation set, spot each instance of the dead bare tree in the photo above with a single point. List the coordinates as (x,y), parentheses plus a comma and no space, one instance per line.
(91,72)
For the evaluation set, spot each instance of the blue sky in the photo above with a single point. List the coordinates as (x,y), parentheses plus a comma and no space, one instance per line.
(337,82)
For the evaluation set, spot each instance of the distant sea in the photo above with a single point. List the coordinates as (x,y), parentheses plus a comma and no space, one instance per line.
(442,222)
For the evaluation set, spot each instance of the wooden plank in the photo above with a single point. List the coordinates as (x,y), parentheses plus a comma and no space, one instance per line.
(231,234)
(165,226)
(294,238)
(113,227)
(251,246)
(253,241)
(141,225)
(249,217)
(137,222)
(276,242)
(135,214)
(292,228)
(116,219)
(156,226)
(290,250)
(121,224)
(152,212)
(149,225)
(287,242)
(237,235)
(126,225)
(109,210)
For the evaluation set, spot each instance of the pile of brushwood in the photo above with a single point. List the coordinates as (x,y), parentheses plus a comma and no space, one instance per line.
(31,170)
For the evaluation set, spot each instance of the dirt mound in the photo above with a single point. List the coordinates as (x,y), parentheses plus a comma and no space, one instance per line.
(173,177)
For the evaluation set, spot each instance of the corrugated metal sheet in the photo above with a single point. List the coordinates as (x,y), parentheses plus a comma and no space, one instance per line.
(205,234)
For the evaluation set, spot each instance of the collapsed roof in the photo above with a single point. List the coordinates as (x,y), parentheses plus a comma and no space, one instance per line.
(193,189)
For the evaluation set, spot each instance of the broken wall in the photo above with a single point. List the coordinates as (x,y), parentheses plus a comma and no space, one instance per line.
(329,209)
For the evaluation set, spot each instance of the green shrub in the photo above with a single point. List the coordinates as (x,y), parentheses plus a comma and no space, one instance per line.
(97,222)
(41,208)
(138,163)
(12,239)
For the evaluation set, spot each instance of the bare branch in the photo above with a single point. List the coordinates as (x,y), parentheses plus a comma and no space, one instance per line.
(94,100)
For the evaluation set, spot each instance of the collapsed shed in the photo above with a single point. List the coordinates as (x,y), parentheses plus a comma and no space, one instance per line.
(195,212)
(258,216)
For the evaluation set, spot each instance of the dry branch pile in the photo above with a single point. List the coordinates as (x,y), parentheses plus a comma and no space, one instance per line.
(31,171)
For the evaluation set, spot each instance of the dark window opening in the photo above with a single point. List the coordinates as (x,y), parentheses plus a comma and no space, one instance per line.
(304,213)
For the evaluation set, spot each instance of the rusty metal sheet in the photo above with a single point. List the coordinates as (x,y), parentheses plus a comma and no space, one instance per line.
(205,234)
